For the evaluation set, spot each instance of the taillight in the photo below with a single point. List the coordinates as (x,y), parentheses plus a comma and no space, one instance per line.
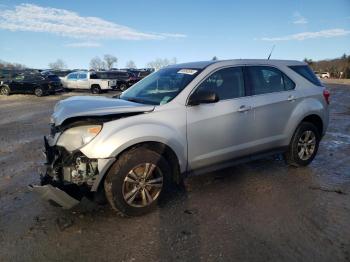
(326,95)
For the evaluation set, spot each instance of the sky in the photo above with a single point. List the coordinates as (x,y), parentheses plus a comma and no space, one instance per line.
(35,33)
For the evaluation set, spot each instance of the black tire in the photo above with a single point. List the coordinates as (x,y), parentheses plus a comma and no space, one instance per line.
(123,87)
(116,182)
(39,92)
(95,89)
(5,90)
(295,156)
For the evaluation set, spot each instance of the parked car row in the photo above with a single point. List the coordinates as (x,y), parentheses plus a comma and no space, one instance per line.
(30,82)
(43,82)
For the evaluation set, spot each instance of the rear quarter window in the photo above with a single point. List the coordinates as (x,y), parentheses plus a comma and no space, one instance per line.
(307,73)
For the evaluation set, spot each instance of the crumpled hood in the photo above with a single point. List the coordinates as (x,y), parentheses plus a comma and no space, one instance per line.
(94,106)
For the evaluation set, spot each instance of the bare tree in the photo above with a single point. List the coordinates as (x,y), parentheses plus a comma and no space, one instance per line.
(308,61)
(110,60)
(97,64)
(58,64)
(161,62)
(130,64)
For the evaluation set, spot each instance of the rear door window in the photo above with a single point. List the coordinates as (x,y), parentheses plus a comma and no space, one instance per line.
(266,79)
(288,83)
(82,76)
(307,73)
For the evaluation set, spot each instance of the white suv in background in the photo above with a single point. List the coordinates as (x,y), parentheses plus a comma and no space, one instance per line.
(87,80)
(325,75)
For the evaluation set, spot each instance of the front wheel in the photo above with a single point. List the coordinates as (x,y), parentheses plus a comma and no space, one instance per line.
(136,182)
(304,145)
(123,87)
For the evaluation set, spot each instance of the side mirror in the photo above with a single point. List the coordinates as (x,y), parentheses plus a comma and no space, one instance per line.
(203,97)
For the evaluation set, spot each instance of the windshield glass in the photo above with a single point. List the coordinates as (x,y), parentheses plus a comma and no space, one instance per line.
(160,87)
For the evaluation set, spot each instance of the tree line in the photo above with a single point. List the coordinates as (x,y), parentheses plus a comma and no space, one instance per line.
(108,62)
(337,67)
(4,64)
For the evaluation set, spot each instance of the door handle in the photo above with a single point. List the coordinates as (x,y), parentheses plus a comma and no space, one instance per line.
(291,98)
(244,108)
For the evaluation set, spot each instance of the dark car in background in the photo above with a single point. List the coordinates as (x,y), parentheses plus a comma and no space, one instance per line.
(30,83)
(59,73)
(139,74)
(124,79)
(6,73)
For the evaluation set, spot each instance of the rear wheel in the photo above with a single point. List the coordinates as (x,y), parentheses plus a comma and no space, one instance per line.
(136,182)
(38,92)
(123,87)
(5,91)
(95,89)
(304,145)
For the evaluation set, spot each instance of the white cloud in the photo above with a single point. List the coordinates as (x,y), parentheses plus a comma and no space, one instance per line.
(310,35)
(34,18)
(83,44)
(172,35)
(299,19)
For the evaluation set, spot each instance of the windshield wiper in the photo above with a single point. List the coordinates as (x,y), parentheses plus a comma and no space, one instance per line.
(136,100)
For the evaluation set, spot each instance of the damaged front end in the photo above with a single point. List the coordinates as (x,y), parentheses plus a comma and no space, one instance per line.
(69,175)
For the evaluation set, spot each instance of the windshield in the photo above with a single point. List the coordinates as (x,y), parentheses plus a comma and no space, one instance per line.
(160,87)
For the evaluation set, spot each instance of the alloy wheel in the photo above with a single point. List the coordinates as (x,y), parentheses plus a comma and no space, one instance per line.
(306,145)
(142,185)
(38,92)
(4,91)
(123,87)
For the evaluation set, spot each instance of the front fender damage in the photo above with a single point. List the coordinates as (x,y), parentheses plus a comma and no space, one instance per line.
(70,176)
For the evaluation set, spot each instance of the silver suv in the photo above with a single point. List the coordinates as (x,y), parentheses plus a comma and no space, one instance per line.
(183,119)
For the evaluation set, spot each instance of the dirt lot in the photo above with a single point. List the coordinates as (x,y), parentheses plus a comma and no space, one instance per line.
(261,211)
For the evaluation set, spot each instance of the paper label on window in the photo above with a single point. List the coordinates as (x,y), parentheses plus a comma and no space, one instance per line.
(187,71)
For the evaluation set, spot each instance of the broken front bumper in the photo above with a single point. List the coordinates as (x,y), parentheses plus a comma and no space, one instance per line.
(52,186)
(62,184)
(55,195)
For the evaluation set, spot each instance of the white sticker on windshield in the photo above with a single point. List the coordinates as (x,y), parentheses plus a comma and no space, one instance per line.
(187,71)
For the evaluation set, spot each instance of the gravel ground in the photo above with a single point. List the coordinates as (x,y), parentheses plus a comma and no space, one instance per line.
(260,211)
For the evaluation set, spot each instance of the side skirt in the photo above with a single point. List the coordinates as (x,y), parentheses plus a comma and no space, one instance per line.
(236,161)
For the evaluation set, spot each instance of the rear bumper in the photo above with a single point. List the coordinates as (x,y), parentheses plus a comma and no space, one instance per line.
(107,87)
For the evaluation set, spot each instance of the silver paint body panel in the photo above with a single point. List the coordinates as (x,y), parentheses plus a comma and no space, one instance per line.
(206,134)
